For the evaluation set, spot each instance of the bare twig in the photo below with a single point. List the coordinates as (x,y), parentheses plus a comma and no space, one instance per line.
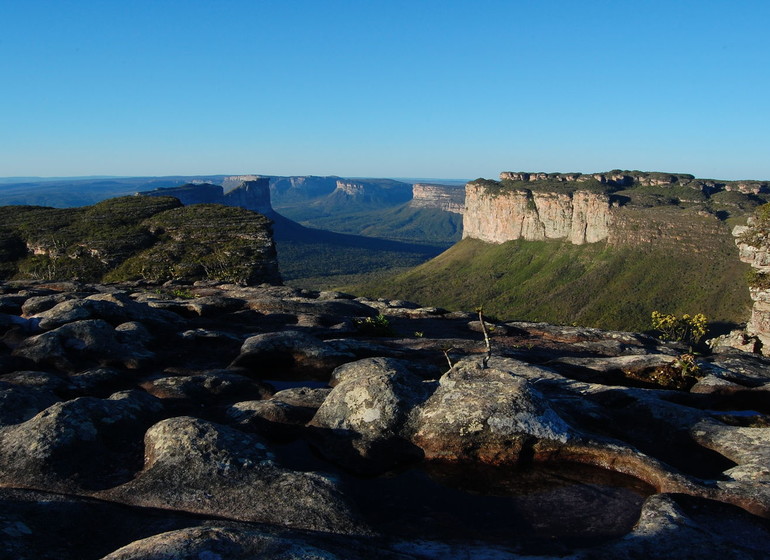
(448,359)
(485,360)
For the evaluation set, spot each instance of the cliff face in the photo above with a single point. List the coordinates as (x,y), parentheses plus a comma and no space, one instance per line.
(753,241)
(248,191)
(252,194)
(441,197)
(579,217)
(285,190)
(371,192)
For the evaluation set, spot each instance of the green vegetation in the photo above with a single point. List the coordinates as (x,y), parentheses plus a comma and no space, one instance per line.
(680,374)
(375,326)
(689,329)
(199,241)
(757,279)
(134,238)
(678,190)
(318,259)
(758,232)
(613,287)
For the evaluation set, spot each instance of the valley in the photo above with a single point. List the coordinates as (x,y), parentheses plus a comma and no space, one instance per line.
(601,250)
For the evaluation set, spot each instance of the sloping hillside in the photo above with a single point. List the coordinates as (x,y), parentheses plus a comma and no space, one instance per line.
(613,287)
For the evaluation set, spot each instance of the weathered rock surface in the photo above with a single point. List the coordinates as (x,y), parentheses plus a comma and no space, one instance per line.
(581,217)
(201,467)
(147,416)
(753,241)
(490,416)
(289,354)
(442,197)
(362,423)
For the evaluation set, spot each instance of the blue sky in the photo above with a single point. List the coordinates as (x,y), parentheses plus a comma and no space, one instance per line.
(389,89)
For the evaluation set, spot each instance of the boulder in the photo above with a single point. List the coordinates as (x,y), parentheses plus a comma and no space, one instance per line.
(675,526)
(272,418)
(209,386)
(77,445)
(73,345)
(37,304)
(488,415)
(362,424)
(201,467)
(19,403)
(113,308)
(216,542)
(42,380)
(289,355)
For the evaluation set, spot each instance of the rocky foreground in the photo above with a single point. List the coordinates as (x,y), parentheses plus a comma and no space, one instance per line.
(221,422)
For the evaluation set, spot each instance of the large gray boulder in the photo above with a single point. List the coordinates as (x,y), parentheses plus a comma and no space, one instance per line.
(362,424)
(83,343)
(115,308)
(201,467)
(488,415)
(216,542)
(78,445)
(291,355)
(19,403)
(675,526)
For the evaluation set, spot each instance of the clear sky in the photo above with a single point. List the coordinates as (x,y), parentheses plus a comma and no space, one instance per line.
(443,89)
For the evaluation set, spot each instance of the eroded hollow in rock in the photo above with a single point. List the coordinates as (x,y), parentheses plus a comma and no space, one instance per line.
(554,505)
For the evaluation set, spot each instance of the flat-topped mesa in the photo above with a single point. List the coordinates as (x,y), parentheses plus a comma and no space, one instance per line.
(441,197)
(579,217)
(231,182)
(391,192)
(618,178)
(250,192)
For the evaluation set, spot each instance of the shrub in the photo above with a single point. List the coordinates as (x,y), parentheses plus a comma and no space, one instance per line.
(756,279)
(682,373)
(687,329)
(375,326)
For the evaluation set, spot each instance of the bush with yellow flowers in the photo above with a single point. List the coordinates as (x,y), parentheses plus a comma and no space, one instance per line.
(689,329)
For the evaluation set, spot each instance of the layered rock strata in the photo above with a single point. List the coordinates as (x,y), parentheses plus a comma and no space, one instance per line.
(753,244)
(248,191)
(441,197)
(579,217)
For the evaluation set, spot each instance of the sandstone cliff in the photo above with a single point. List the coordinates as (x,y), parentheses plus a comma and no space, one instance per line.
(579,217)
(377,192)
(248,191)
(620,207)
(753,241)
(441,197)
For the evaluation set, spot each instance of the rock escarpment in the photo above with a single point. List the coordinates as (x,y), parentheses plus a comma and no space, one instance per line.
(579,217)
(621,207)
(382,192)
(618,178)
(753,241)
(441,197)
(247,191)
(192,436)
